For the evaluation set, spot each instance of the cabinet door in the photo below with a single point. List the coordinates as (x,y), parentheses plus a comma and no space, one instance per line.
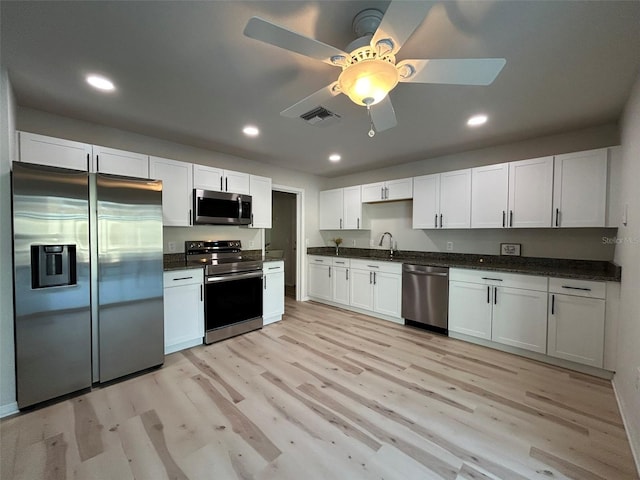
(319,281)
(387,297)
(580,189)
(273,298)
(260,190)
(361,292)
(470,309)
(576,329)
(373,192)
(426,201)
(399,189)
(331,206)
(520,318)
(208,178)
(530,193)
(176,190)
(455,199)
(119,162)
(340,285)
(54,152)
(489,196)
(352,208)
(236,182)
(183,317)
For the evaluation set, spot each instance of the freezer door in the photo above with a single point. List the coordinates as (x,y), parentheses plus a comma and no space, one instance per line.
(130,294)
(52,282)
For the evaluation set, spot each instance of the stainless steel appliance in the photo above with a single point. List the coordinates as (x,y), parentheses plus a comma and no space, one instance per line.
(221,208)
(88,279)
(233,288)
(425,297)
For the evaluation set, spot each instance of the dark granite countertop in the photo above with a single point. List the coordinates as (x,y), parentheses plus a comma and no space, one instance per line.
(548,267)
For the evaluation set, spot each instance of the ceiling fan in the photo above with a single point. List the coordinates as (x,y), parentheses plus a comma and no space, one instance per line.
(369,68)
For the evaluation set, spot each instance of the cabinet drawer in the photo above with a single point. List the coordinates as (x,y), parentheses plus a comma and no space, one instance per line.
(579,288)
(375,265)
(341,262)
(502,279)
(273,267)
(319,260)
(175,278)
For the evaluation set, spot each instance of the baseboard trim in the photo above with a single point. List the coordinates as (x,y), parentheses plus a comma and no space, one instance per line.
(8,409)
(635,449)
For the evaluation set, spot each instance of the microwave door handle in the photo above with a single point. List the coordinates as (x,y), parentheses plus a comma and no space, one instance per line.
(239,208)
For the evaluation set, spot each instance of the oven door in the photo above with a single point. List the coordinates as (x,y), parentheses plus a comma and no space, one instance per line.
(231,299)
(221,208)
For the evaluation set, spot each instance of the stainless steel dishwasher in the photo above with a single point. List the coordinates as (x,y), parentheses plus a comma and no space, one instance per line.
(425,297)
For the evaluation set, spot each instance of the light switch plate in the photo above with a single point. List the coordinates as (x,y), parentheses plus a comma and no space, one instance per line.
(512,249)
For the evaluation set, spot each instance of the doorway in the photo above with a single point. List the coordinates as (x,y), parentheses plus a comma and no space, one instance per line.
(283,238)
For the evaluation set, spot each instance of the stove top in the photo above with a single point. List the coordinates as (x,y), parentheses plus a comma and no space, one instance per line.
(219,257)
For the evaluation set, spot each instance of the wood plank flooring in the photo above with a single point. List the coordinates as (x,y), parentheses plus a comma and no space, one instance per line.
(329,394)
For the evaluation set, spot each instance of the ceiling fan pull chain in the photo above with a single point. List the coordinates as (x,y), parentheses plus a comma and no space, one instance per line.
(372,130)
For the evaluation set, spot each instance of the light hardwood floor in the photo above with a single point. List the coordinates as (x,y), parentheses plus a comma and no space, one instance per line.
(328,394)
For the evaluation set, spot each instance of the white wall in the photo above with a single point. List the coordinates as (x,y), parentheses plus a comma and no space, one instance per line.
(7,148)
(628,256)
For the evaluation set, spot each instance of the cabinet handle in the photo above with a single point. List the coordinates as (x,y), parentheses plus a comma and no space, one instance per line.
(370,278)
(358,223)
(503,218)
(435,220)
(273,268)
(88,163)
(440,220)
(374,278)
(226,184)
(181,278)
(329,272)
(201,296)
(557,217)
(340,263)
(221,183)
(553,304)
(577,288)
(373,266)
(386,193)
(97,163)
(340,224)
(189,216)
(511,218)
(488,294)
(252,219)
(494,279)
(347,272)
(318,260)
(381,193)
(265,282)
(495,296)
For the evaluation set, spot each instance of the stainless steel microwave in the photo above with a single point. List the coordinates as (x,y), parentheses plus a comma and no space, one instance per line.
(221,208)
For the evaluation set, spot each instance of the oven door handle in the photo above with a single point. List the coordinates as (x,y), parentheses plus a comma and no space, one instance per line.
(233,276)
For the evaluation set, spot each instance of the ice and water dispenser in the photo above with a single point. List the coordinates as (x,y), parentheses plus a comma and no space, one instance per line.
(53,265)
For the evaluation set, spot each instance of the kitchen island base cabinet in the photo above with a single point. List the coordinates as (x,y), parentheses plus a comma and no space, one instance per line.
(273,295)
(183,309)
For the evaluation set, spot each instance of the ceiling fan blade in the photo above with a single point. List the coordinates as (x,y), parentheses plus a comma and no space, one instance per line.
(463,71)
(383,116)
(312,101)
(273,34)
(400,21)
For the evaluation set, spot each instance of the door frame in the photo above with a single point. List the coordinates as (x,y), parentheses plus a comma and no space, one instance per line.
(300,232)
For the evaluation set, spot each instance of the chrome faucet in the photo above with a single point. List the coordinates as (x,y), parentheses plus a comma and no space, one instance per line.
(390,242)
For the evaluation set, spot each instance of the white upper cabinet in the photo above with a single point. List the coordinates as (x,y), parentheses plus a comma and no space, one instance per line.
(219,180)
(580,189)
(340,209)
(511,195)
(177,190)
(400,189)
(261,208)
(442,200)
(120,162)
(54,152)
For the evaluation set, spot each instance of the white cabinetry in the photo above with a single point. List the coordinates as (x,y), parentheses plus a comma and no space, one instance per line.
(400,189)
(54,152)
(319,280)
(183,309)
(219,180)
(340,209)
(273,295)
(340,281)
(176,190)
(261,208)
(503,307)
(442,200)
(120,162)
(577,321)
(377,286)
(580,189)
(511,195)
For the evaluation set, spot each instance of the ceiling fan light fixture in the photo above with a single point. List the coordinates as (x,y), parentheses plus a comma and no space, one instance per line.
(367,82)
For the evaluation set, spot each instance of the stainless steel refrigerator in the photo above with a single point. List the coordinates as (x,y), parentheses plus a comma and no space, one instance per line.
(87,279)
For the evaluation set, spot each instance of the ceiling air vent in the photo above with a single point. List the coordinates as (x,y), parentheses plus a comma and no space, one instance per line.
(320,117)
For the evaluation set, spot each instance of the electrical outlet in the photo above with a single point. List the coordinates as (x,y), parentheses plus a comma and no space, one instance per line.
(449,246)
(172,247)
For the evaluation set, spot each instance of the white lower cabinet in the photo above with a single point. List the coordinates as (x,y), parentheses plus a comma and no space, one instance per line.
(470,309)
(577,321)
(273,294)
(183,309)
(340,281)
(520,318)
(319,281)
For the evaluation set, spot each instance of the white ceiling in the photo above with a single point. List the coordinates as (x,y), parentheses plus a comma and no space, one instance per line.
(185,72)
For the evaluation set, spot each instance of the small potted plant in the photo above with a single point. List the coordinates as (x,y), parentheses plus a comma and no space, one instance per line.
(338,242)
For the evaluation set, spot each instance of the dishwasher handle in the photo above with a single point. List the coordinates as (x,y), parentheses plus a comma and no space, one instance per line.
(428,274)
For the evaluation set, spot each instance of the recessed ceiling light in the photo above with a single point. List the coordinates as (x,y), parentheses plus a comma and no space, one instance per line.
(251,131)
(334,157)
(477,120)
(101,83)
